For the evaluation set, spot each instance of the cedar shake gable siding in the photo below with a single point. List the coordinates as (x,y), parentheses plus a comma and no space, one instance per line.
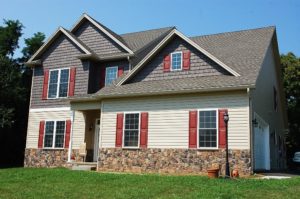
(100,43)
(200,65)
(61,54)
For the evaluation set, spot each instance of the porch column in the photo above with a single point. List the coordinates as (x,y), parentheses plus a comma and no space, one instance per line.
(71,136)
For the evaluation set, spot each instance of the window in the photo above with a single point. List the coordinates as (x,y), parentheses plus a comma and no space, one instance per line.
(111,74)
(131,130)
(54,134)
(176,59)
(208,132)
(58,83)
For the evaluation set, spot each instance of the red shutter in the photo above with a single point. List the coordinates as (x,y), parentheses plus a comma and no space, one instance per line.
(144,130)
(167,63)
(72,81)
(193,129)
(68,132)
(186,60)
(120,70)
(222,129)
(41,134)
(45,85)
(102,77)
(119,129)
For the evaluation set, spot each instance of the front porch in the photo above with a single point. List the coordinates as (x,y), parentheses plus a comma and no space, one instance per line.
(84,138)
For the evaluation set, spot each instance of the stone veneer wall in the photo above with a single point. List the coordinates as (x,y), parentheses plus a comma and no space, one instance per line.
(176,161)
(49,157)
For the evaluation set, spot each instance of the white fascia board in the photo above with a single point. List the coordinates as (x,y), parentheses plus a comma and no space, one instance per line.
(32,110)
(172,33)
(149,55)
(77,43)
(52,38)
(207,53)
(48,41)
(101,29)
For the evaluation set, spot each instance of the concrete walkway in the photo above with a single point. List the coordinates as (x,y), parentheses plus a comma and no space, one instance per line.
(279,175)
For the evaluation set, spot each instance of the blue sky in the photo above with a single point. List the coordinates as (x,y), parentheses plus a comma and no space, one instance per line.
(192,17)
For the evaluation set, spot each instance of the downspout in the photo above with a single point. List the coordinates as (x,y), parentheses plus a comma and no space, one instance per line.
(251,130)
(71,136)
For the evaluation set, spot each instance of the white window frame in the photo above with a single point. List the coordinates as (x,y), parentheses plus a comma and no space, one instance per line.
(181,54)
(58,83)
(217,128)
(139,129)
(54,134)
(106,73)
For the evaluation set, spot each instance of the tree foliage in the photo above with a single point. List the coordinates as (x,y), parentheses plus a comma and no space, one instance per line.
(32,44)
(290,65)
(9,37)
(15,83)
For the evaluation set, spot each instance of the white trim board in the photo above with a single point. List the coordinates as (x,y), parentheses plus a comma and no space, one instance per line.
(90,19)
(52,38)
(33,110)
(162,43)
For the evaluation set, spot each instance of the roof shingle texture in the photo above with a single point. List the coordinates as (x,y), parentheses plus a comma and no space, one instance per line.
(243,51)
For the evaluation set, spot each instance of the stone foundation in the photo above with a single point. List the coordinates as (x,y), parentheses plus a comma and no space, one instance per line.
(49,157)
(175,161)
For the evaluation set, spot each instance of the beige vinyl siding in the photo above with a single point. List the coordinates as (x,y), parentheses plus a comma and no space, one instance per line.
(36,116)
(78,129)
(34,123)
(169,118)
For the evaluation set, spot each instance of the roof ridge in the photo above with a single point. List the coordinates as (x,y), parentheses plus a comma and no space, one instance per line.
(236,31)
(168,27)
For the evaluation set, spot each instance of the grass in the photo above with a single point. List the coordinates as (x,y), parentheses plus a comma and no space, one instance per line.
(63,183)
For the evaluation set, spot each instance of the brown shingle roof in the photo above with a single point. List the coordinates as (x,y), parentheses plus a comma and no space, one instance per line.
(243,51)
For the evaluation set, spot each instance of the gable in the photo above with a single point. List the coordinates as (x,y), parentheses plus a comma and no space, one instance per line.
(62,50)
(200,64)
(95,39)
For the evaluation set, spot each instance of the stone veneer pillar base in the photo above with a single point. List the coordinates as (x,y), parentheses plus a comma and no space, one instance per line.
(48,157)
(175,161)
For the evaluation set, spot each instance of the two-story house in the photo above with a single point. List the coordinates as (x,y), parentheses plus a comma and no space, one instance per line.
(154,101)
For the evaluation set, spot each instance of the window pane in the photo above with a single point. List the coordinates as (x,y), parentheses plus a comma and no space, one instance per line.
(64,82)
(207,119)
(110,74)
(176,61)
(208,138)
(131,138)
(132,121)
(131,133)
(48,139)
(207,129)
(53,84)
(60,133)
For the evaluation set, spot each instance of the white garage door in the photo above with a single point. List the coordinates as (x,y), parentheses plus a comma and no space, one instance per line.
(261,145)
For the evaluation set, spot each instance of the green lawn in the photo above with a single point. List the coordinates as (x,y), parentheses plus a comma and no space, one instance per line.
(63,183)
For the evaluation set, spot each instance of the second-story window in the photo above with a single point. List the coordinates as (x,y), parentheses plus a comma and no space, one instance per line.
(111,74)
(176,61)
(58,83)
